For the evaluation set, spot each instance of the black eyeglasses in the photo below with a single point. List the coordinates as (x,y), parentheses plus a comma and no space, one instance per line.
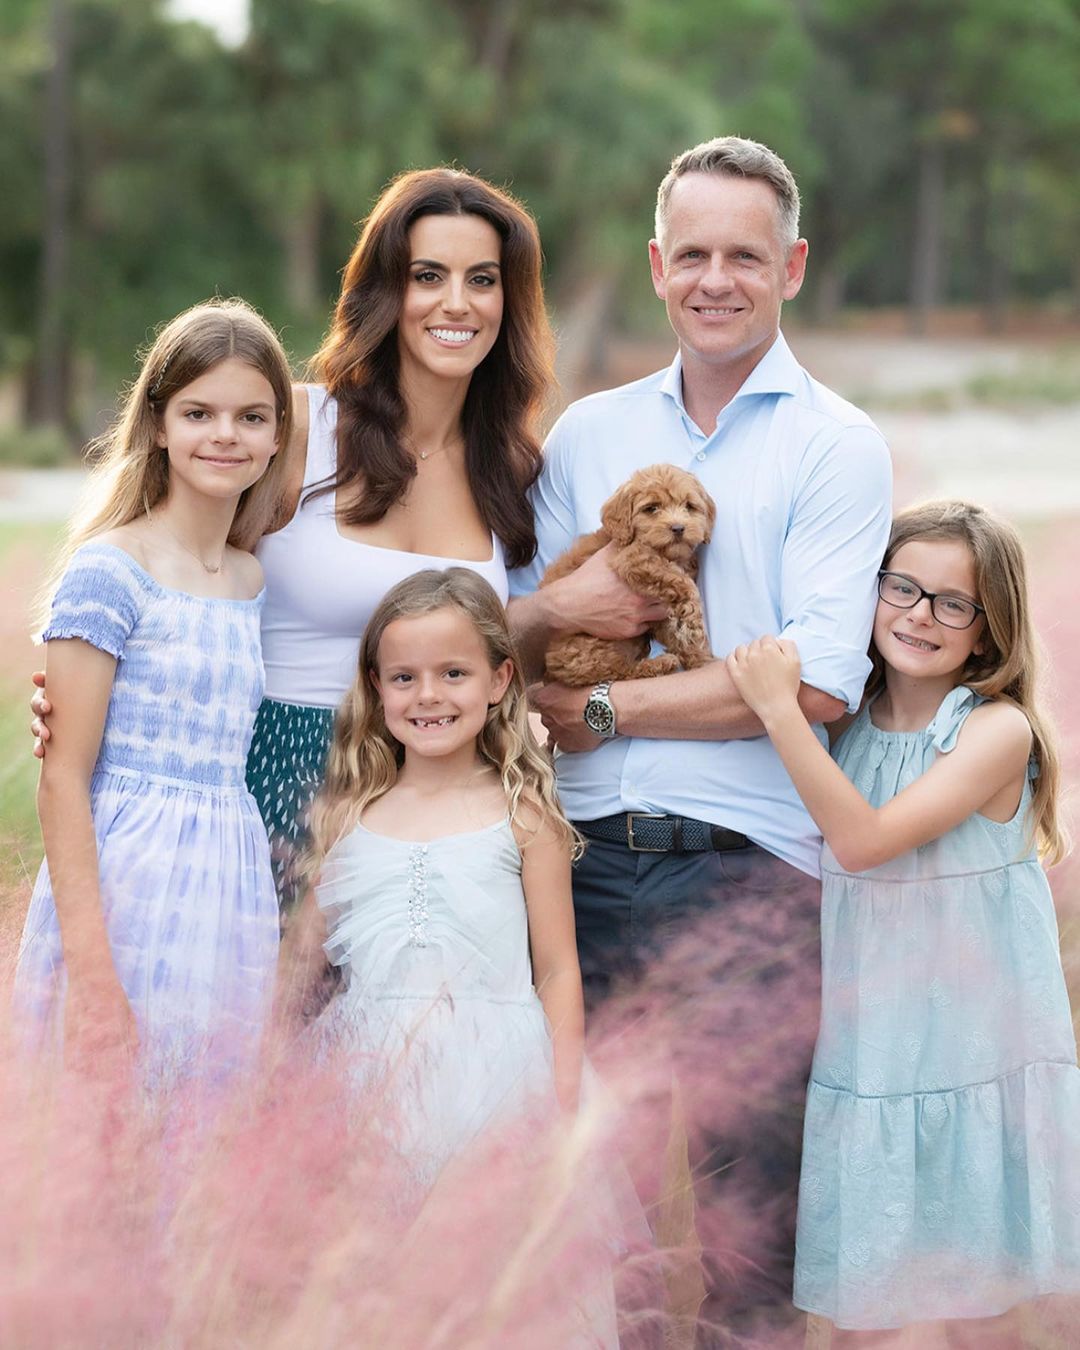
(951,610)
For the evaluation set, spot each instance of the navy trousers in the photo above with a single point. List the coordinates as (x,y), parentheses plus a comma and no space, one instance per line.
(720,953)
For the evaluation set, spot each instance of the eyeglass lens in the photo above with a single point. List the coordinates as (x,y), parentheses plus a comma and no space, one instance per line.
(950,610)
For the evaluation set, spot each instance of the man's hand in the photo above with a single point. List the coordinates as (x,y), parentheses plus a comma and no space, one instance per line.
(767,675)
(562,711)
(595,600)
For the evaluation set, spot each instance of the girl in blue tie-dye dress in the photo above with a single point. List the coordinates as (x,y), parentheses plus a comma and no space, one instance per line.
(153,925)
(941,1156)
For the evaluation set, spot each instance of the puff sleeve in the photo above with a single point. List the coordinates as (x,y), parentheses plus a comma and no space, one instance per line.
(99,599)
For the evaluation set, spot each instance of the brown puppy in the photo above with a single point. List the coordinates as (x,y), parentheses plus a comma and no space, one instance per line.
(657,520)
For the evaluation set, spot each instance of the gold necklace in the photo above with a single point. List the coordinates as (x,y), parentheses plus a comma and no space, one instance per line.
(212,568)
(430,454)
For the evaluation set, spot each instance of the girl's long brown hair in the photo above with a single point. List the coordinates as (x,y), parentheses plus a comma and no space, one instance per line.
(358,362)
(130,472)
(364,756)
(1008,666)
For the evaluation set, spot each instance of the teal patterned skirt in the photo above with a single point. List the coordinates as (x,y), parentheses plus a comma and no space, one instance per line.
(285,769)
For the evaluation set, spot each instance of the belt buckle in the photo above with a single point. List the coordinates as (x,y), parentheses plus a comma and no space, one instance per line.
(631,816)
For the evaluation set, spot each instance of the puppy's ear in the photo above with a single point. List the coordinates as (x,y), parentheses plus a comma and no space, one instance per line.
(709,507)
(617,515)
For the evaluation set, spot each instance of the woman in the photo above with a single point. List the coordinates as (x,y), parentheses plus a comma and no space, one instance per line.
(415,448)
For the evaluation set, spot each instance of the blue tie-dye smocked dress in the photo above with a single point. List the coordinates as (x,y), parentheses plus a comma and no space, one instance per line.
(183,861)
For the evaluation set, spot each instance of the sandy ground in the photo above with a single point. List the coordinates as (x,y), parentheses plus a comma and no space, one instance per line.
(1023,461)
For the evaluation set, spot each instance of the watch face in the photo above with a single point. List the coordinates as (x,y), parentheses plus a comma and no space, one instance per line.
(599,717)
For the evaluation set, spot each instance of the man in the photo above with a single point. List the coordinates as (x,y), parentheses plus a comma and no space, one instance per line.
(685,806)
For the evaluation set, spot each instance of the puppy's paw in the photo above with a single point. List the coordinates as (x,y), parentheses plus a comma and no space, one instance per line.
(665,664)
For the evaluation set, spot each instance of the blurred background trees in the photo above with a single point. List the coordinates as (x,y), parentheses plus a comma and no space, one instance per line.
(937,143)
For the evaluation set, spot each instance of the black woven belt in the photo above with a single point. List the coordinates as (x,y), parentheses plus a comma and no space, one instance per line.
(647,833)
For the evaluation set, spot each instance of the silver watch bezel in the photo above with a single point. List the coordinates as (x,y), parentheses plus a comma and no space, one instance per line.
(599,704)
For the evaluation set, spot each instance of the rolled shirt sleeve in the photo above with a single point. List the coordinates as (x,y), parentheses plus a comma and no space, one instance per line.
(828,573)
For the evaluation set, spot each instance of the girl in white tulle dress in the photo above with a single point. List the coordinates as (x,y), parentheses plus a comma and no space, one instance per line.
(442,865)
(941,1162)
(152,930)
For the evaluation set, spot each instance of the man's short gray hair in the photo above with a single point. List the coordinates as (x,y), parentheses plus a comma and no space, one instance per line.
(737,158)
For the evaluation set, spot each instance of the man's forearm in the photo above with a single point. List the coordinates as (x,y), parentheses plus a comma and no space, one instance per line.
(701,705)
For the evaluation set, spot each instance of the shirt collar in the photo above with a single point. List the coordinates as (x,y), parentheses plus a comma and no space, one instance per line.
(776,373)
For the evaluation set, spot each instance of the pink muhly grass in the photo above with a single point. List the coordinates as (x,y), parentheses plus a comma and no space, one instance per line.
(273,1216)
(279,1216)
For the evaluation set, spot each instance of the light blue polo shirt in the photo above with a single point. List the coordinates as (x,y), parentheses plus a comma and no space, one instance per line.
(802,484)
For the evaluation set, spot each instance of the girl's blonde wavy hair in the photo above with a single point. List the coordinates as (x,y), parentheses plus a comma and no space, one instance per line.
(1008,667)
(364,757)
(130,472)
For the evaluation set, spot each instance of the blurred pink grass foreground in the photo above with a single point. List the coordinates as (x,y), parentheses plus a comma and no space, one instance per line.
(281,1219)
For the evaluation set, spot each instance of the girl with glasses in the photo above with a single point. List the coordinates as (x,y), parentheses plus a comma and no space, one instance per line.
(941,1164)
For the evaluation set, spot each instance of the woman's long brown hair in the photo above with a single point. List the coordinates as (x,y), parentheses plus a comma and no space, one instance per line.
(358,362)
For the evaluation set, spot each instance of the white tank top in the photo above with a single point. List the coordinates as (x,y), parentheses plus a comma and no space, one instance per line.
(321,588)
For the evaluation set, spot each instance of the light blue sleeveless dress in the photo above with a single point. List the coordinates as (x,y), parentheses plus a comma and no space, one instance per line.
(183,860)
(433,938)
(941,1162)
(445,1036)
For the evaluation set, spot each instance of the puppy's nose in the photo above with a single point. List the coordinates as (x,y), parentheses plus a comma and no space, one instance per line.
(678,531)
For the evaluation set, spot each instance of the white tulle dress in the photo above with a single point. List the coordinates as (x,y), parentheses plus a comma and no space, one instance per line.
(440,1023)
(438,984)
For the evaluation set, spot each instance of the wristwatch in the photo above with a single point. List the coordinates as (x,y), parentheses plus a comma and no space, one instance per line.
(600,712)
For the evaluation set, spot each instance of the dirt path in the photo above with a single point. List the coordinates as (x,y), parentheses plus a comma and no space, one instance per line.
(1024,462)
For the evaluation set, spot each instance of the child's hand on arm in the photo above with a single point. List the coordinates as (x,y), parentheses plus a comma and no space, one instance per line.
(767,674)
(545,876)
(990,759)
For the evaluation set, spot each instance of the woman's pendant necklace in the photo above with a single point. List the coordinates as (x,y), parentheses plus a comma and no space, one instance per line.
(430,454)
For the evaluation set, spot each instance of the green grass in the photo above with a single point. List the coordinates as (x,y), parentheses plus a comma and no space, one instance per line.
(20,839)
(24,553)
(1049,382)
(35,448)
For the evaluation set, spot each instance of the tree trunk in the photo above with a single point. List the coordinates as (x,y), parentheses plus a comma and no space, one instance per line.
(1076,285)
(300,237)
(829,291)
(1000,213)
(926,257)
(499,28)
(583,332)
(50,394)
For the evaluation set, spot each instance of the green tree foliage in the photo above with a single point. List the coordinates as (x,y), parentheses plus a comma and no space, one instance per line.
(958,117)
(935,142)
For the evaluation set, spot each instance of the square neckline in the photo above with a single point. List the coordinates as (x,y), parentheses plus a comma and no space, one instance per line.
(322,394)
(162,589)
(504,820)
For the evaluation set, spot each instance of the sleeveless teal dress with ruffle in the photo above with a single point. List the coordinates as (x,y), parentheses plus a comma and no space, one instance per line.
(941,1163)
